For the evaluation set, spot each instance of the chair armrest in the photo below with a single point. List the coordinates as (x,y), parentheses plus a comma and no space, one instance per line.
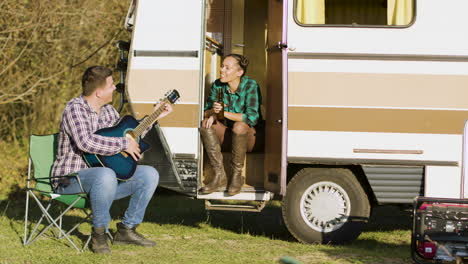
(57,177)
(53,177)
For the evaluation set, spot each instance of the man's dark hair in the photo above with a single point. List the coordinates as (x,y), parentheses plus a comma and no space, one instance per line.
(94,77)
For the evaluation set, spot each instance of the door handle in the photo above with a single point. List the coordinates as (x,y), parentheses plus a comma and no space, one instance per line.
(279,121)
(278,46)
(281,45)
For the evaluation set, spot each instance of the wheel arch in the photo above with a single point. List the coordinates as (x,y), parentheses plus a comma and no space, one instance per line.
(341,180)
(357,171)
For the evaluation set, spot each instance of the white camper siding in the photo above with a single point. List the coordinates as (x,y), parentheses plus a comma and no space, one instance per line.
(168,25)
(322,145)
(387,95)
(442,181)
(436,30)
(165,54)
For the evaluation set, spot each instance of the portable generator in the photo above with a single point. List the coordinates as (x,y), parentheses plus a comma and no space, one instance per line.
(440,230)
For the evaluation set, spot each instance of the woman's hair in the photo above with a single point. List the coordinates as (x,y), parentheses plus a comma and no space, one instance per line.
(241,60)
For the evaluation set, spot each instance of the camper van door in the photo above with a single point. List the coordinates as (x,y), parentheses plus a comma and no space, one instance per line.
(276,107)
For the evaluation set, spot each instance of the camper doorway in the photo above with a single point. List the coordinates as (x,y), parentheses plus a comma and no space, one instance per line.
(243,27)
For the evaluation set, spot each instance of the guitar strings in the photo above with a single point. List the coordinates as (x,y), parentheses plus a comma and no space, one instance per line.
(149,120)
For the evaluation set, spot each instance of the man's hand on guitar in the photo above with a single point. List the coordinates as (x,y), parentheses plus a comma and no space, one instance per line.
(133,149)
(167,109)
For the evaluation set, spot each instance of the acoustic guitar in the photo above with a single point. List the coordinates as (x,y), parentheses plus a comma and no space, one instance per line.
(122,163)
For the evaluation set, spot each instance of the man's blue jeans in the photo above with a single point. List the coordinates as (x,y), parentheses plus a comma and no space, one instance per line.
(103,188)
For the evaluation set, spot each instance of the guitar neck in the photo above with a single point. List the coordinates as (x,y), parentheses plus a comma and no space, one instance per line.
(149,120)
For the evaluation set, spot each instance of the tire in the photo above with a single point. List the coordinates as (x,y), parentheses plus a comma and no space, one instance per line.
(325,205)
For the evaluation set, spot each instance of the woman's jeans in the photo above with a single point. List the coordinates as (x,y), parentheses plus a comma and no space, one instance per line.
(103,188)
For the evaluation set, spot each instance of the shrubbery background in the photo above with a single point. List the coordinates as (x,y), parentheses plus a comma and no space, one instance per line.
(45,45)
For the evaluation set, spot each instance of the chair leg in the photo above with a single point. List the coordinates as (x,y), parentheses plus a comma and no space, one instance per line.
(44,215)
(59,218)
(26,218)
(88,215)
(110,236)
(89,239)
(49,221)
(28,241)
(25,240)
(60,225)
(54,221)
(86,244)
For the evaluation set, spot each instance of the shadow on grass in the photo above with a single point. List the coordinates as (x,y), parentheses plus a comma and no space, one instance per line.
(168,208)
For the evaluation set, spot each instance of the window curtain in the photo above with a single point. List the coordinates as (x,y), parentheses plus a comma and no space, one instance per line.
(311,11)
(399,12)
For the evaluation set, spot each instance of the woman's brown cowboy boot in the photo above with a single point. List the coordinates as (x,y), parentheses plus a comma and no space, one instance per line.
(239,148)
(213,148)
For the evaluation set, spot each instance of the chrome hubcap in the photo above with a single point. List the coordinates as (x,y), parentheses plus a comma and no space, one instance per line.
(325,206)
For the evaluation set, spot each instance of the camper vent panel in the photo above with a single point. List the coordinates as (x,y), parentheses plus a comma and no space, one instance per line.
(395,184)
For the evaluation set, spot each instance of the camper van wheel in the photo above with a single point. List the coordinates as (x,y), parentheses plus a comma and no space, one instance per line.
(325,205)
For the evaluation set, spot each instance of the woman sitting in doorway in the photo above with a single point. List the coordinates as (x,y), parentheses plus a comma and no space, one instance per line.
(239,129)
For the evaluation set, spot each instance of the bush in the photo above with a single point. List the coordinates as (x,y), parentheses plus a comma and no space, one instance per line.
(45,45)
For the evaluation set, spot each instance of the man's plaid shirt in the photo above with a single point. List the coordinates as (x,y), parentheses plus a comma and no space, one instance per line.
(245,100)
(77,126)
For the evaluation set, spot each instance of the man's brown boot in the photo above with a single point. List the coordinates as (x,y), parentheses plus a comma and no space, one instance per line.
(213,149)
(239,148)
(126,235)
(99,241)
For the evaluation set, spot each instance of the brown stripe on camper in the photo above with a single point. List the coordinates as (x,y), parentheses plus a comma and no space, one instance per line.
(152,84)
(376,120)
(378,90)
(184,115)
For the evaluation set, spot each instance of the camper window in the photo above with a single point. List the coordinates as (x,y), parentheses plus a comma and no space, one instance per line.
(394,13)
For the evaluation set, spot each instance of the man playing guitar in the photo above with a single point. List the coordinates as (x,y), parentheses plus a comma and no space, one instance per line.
(81,117)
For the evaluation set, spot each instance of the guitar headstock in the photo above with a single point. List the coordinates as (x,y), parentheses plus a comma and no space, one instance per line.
(172,96)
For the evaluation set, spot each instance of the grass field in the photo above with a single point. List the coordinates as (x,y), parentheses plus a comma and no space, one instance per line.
(186,233)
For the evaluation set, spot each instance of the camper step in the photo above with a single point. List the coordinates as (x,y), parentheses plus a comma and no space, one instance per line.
(209,205)
(245,188)
(244,196)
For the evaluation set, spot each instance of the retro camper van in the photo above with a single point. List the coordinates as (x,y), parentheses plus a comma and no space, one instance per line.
(364,101)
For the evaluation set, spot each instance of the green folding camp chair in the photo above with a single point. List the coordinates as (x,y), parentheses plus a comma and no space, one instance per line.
(42,152)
